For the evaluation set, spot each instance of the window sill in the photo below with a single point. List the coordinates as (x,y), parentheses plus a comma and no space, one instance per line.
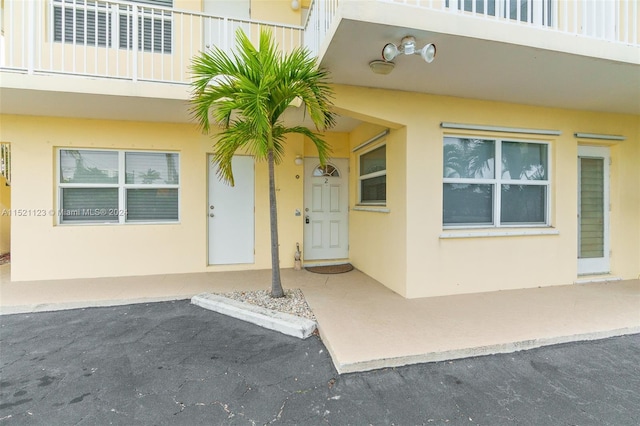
(494,233)
(375,209)
(133,223)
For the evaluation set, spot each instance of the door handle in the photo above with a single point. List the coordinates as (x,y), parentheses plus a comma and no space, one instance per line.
(306,219)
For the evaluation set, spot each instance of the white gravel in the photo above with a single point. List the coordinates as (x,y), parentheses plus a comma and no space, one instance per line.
(292,303)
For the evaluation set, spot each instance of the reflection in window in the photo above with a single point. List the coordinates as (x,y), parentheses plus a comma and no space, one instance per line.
(108,186)
(327,170)
(151,168)
(80,166)
(479,190)
(373,176)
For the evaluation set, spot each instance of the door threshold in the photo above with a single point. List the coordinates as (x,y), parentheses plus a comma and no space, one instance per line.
(596,278)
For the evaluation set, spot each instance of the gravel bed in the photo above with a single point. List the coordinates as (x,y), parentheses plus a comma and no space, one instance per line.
(292,303)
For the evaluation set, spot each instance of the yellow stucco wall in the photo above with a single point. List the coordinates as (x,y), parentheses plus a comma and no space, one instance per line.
(275,11)
(437,266)
(403,247)
(5,216)
(378,235)
(44,250)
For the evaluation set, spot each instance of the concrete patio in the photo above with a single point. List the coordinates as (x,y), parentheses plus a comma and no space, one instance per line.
(366,326)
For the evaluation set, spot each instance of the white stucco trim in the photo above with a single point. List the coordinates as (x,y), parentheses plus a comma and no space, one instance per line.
(371,209)
(484,234)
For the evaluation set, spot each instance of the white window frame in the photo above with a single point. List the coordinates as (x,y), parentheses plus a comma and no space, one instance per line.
(371,176)
(497,182)
(121,185)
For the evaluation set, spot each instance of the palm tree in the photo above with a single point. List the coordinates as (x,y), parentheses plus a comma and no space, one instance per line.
(246,93)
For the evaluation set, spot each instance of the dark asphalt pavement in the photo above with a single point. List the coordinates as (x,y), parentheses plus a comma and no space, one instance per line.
(173,363)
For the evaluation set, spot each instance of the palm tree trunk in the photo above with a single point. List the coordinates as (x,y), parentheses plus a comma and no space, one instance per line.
(276,284)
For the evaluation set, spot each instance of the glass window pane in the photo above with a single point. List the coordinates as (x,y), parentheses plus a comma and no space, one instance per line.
(467,204)
(524,161)
(152,204)
(373,190)
(89,205)
(78,166)
(151,168)
(373,161)
(327,170)
(525,204)
(469,158)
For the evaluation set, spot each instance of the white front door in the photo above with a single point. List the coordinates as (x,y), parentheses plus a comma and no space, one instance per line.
(231,214)
(593,210)
(326,210)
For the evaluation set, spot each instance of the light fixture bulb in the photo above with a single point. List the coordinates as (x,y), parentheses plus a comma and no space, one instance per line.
(428,53)
(295,4)
(389,51)
(298,161)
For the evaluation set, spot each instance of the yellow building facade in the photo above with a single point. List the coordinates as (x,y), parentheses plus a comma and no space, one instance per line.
(446,178)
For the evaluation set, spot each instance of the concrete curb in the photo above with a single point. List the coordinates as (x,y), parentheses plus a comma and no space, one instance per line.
(273,320)
(498,348)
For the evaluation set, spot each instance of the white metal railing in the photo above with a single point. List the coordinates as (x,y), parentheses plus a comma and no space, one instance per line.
(5,162)
(318,22)
(119,39)
(612,20)
(136,41)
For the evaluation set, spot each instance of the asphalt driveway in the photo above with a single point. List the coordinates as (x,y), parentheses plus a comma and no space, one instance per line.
(173,363)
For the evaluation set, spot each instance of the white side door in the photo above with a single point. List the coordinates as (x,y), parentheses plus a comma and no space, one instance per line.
(326,210)
(231,214)
(593,210)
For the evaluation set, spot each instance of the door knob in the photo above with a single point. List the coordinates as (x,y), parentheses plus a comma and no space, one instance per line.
(211,207)
(211,215)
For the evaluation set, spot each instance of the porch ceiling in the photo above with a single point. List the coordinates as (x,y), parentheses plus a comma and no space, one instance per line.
(483,69)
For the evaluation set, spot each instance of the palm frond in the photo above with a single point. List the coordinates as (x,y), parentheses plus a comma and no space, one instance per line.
(245,93)
(323,148)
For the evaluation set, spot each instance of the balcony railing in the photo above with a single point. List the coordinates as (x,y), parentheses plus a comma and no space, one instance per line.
(119,39)
(611,20)
(138,42)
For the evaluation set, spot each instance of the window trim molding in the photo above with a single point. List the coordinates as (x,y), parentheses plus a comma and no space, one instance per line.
(600,136)
(372,140)
(545,230)
(498,182)
(371,208)
(373,175)
(122,186)
(500,129)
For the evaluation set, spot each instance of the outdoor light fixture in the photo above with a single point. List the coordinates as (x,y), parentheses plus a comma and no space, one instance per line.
(408,47)
(295,4)
(381,67)
(298,160)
